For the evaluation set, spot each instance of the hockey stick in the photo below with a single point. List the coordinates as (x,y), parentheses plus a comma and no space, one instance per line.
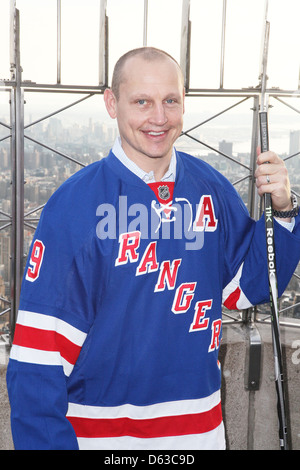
(269,225)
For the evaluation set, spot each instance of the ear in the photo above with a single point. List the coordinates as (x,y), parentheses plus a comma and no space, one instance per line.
(110,103)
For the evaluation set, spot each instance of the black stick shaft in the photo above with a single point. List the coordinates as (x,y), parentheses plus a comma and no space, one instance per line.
(269,225)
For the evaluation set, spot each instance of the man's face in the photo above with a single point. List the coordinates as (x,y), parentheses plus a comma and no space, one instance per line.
(150,108)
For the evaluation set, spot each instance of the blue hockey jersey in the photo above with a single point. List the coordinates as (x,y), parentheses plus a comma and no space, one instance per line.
(117,337)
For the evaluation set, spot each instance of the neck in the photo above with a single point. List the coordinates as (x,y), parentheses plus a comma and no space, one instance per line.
(160,169)
(159,165)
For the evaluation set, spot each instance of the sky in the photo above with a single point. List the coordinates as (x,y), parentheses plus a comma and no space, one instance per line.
(80,39)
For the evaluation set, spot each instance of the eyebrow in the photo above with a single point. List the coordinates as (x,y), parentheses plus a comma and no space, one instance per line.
(142,95)
(138,96)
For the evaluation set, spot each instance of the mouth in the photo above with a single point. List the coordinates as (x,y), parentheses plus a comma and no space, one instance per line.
(155,134)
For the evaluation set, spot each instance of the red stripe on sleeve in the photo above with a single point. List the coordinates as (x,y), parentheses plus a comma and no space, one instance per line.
(46,340)
(232,299)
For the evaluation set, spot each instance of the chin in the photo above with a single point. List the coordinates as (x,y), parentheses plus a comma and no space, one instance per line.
(158,153)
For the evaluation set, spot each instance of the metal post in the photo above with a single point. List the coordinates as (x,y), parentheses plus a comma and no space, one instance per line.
(145,35)
(254,208)
(58,41)
(185,43)
(253,198)
(17,168)
(103,45)
(223,44)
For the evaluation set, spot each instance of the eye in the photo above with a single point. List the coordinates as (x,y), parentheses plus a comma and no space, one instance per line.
(142,102)
(170,101)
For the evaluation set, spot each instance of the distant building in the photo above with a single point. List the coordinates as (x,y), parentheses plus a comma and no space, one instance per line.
(225,147)
(295,146)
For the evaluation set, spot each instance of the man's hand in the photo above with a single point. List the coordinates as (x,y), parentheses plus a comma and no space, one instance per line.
(272,177)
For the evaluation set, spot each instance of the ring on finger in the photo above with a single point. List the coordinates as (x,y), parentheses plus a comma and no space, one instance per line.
(268,179)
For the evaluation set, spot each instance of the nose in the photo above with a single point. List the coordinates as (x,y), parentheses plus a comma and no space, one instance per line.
(158,115)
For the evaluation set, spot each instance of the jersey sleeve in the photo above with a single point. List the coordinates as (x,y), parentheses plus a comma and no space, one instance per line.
(247,260)
(51,328)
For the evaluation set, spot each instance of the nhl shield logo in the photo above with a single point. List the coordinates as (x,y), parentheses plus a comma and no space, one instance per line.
(164,192)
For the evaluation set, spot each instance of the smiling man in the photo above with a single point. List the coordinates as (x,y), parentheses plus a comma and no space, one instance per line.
(118,333)
(149,108)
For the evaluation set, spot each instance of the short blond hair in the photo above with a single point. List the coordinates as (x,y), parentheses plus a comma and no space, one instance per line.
(148,53)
